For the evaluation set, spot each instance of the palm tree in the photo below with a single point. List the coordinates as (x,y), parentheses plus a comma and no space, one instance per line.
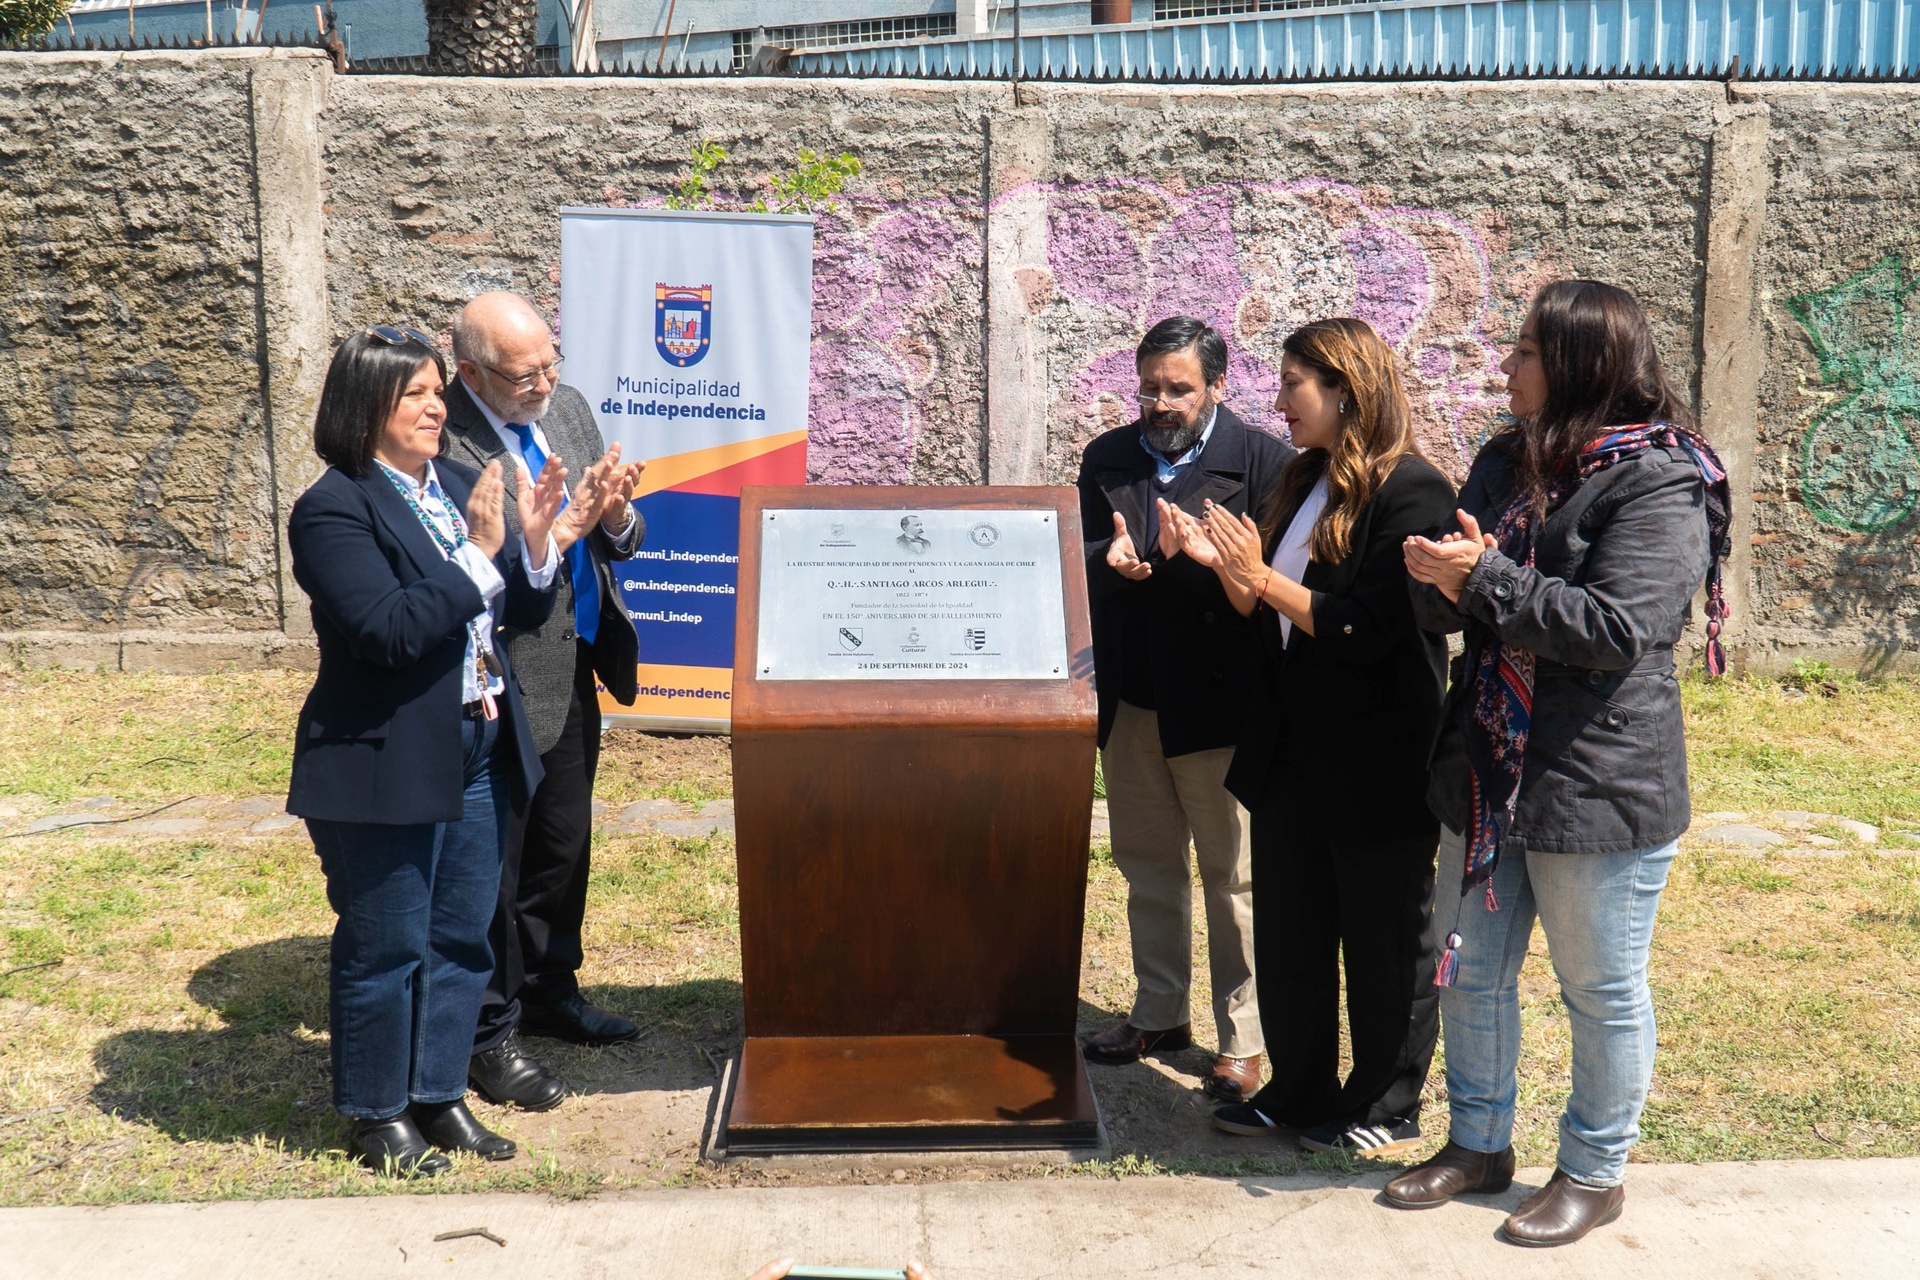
(481,37)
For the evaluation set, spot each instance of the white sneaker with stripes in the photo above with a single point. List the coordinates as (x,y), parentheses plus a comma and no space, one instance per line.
(1396,1137)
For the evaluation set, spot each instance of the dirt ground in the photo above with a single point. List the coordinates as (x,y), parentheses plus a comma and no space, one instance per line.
(641,1108)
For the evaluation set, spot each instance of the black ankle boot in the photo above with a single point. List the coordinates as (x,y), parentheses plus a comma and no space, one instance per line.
(395,1146)
(451,1127)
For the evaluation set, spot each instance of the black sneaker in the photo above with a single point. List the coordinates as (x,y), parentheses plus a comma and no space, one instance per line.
(1394,1138)
(1246,1119)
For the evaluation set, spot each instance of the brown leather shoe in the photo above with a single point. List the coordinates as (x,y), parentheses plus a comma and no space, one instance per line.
(1234,1079)
(1128,1043)
(1453,1171)
(1563,1211)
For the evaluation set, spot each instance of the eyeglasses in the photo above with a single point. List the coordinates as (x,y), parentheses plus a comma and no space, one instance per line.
(1172,402)
(525,382)
(398,335)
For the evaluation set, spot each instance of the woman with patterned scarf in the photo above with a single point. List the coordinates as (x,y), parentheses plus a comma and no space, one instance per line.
(1560,775)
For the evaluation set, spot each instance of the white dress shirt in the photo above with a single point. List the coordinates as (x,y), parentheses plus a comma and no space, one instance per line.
(479,567)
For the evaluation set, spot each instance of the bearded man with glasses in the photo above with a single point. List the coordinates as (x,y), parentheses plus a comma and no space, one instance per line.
(1172,662)
(509,404)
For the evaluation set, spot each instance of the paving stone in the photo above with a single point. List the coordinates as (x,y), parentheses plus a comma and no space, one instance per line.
(646,812)
(600,808)
(1743,834)
(1864,832)
(279,822)
(1821,842)
(715,826)
(96,803)
(166,827)
(1795,818)
(717,808)
(61,821)
(1718,817)
(261,806)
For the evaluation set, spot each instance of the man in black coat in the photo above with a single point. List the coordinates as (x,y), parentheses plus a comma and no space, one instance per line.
(1172,660)
(508,404)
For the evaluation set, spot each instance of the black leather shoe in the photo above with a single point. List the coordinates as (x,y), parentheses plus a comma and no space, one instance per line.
(1128,1043)
(396,1147)
(1563,1211)
(506,1076)
(1452,1171)
(451,1127)
(575,1021)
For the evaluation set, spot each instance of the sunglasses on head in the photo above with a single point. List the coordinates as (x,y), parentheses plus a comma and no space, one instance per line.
(398,335)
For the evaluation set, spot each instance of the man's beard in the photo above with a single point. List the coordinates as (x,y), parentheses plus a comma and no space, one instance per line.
(1171,441)
(531,410)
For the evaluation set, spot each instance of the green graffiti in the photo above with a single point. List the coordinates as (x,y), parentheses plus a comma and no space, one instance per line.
(1857,461)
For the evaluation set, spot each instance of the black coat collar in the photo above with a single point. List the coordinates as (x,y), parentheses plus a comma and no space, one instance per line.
(1217,475)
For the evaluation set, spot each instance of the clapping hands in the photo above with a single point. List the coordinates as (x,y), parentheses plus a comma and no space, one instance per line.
(1448,563)
(1122,558)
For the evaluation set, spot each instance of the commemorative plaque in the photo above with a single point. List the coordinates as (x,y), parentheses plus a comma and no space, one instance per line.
(914,727)
(914,595)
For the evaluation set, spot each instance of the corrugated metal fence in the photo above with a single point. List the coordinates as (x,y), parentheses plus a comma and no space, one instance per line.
(1769,38)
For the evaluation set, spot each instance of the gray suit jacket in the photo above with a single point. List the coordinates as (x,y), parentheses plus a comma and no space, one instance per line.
(544,658)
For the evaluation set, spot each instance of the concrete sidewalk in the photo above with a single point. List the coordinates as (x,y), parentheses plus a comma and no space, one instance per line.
(1779,1220)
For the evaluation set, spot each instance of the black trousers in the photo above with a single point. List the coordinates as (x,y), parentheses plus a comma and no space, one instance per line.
(543,877)
(1319,898)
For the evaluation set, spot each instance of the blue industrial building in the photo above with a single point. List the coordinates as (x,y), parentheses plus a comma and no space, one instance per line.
(1120,38)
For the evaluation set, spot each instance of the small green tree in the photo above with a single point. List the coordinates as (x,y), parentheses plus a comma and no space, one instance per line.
(25,19)
(813,183)
(693,194)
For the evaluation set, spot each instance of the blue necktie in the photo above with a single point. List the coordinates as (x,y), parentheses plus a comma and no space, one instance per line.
(586,584)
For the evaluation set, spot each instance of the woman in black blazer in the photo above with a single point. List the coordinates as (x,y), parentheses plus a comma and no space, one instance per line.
(412,744)
(1333,761)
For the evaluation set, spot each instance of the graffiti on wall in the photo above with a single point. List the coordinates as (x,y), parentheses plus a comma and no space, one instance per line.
(896,314)
(1256,260)
(897,307)
(1857,456)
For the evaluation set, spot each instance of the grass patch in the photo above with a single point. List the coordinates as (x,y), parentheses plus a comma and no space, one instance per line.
(166,1027)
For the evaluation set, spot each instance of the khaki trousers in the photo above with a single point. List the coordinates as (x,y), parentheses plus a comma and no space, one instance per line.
(1155,805)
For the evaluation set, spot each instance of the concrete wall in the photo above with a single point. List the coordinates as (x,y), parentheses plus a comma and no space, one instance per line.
(185,236)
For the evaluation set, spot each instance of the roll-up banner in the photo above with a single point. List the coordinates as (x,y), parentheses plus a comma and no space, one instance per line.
(688,333)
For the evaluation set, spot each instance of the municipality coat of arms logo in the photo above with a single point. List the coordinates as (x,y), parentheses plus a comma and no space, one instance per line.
(682,322)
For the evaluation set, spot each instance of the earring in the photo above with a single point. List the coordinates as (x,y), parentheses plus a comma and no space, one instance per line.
(1343,406)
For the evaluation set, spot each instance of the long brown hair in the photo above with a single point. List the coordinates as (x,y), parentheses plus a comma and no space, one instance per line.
(1376,431)
(1596,350)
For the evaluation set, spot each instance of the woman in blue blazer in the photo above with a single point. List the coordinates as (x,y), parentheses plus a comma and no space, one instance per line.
(412,744)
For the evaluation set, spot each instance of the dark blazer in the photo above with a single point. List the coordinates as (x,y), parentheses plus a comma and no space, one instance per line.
(1342,721)
(1615,568)
(545,655)
(1200,650)
(379,737)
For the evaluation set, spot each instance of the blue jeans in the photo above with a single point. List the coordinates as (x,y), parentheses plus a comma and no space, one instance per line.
(1597,910)
(410,957)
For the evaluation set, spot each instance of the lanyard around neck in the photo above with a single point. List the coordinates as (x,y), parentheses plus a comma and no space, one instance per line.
(448,547)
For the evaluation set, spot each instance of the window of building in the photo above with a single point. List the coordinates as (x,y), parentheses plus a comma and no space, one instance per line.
(1169,10)
(839,35)
(742,49)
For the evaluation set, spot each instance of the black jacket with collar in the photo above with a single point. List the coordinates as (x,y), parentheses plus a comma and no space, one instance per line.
(1615,567)
(546,655)
(1342,721)
(1196,649)
(378,739)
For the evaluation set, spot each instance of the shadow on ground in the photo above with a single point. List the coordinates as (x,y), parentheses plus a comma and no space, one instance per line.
(1155,1110)
(264,1074)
